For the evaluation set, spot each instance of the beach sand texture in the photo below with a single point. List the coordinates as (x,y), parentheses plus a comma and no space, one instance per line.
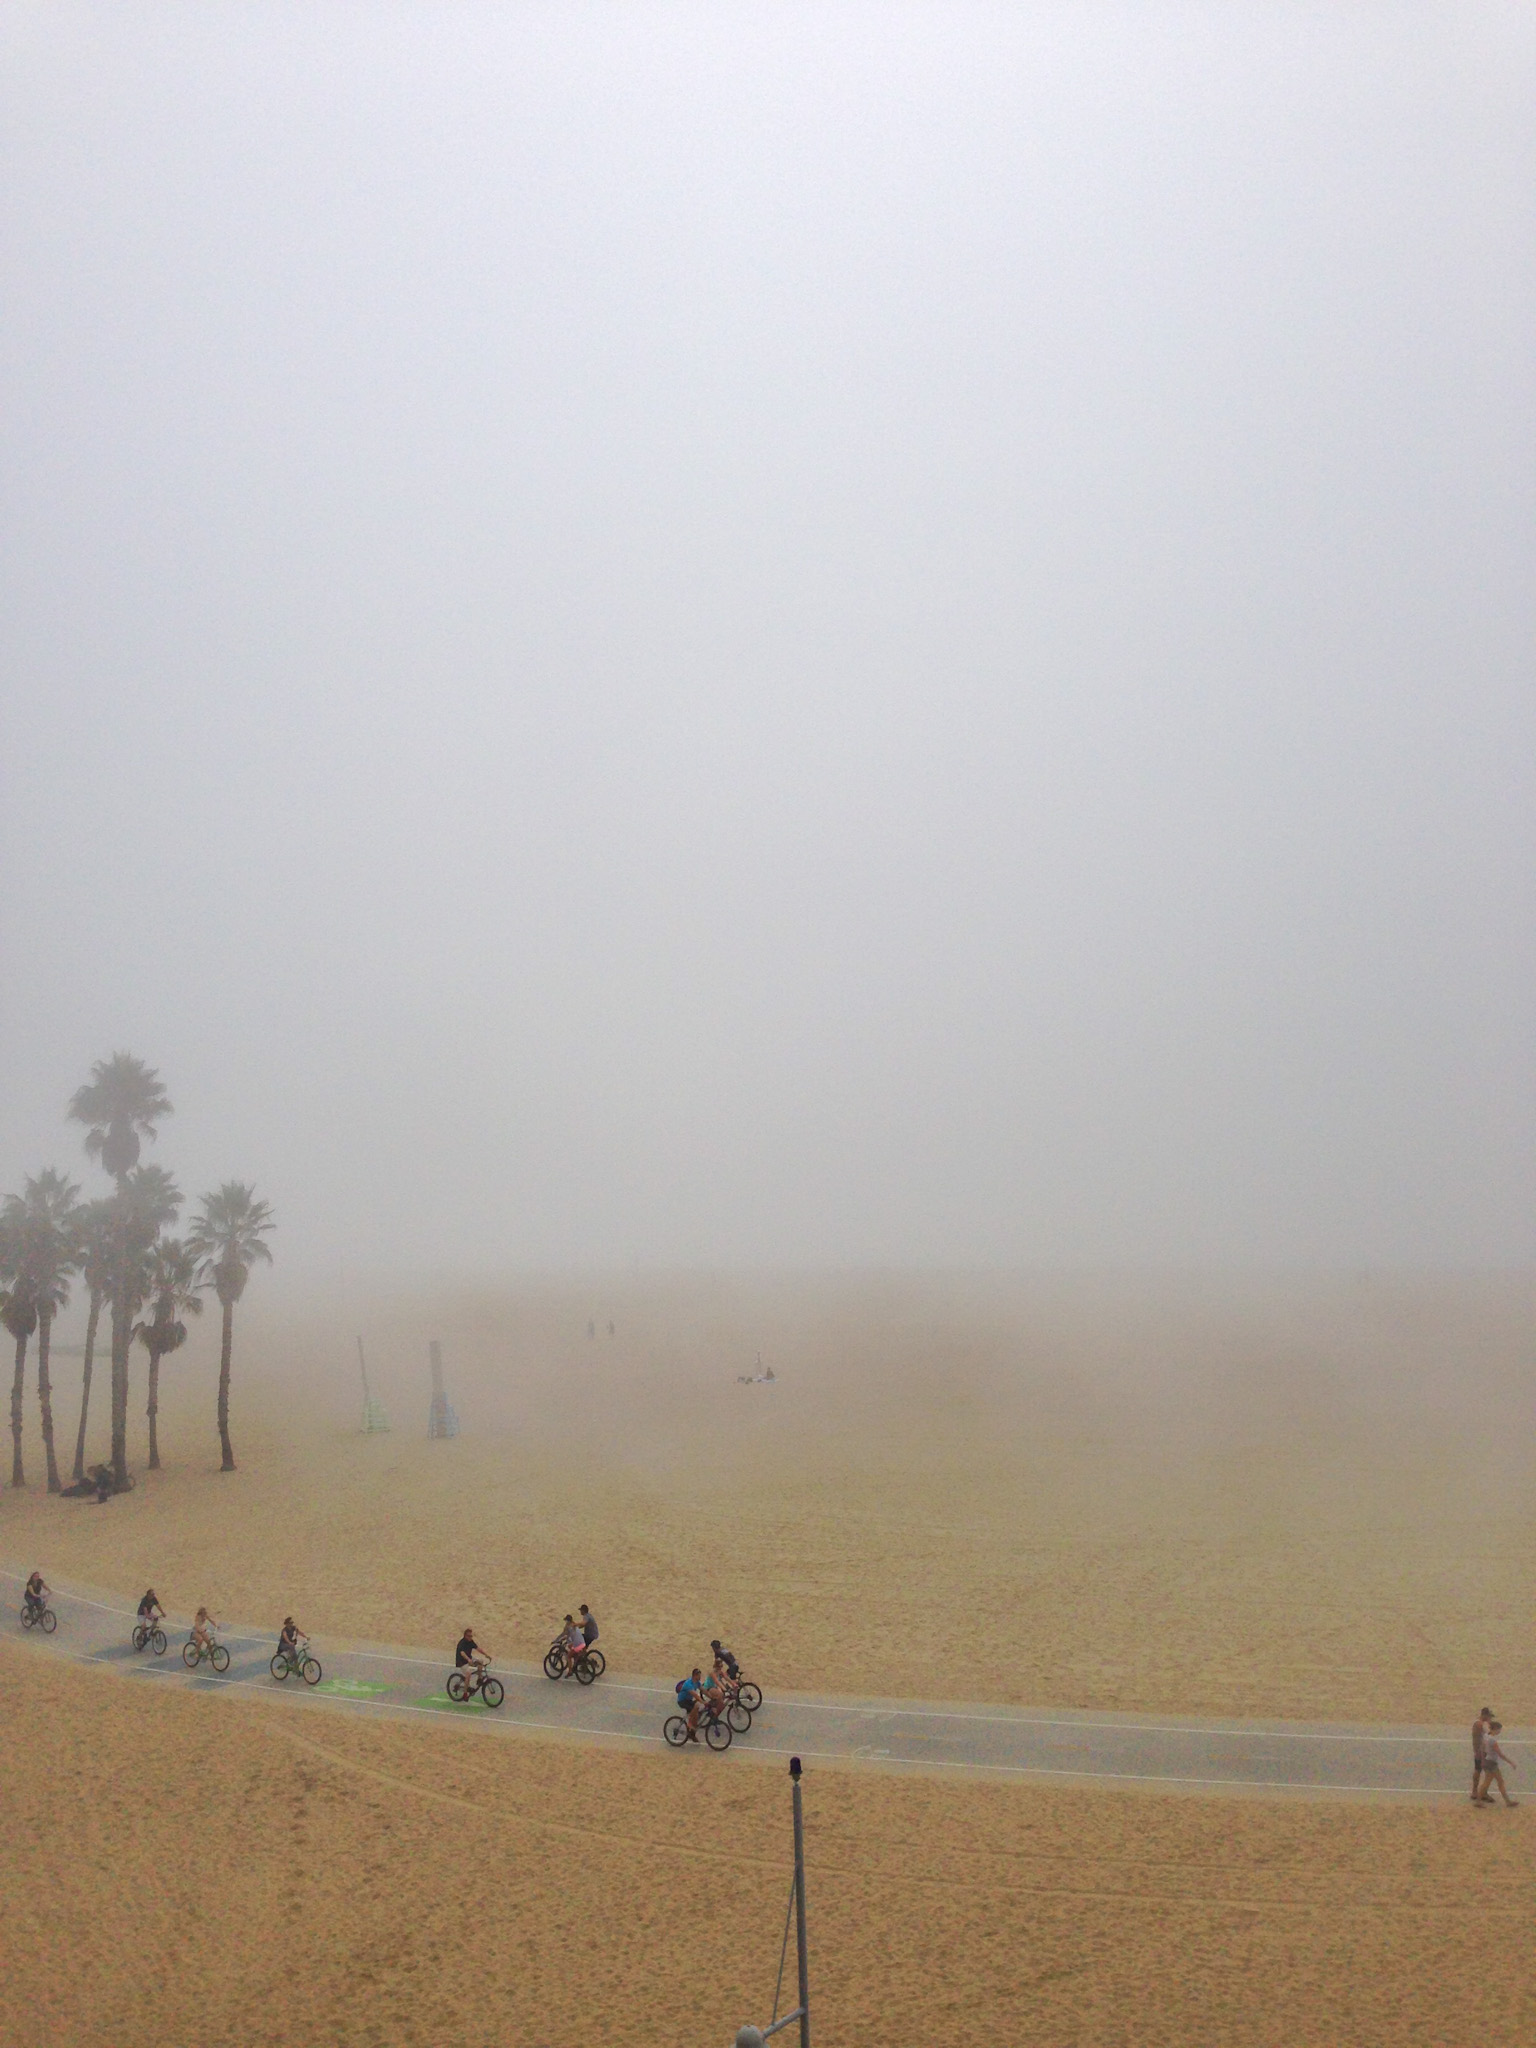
(1268,1500)
(1315,1501)
(215,1871)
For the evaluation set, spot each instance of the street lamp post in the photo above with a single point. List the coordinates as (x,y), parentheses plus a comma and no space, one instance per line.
(754,2037)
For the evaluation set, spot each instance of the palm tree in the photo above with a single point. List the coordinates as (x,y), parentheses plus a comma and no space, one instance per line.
(150,1203)
(19,1313)
(226,1240)
(94,1242)
(38,1246)
(120,1105)
(122,1102)
(173,1291)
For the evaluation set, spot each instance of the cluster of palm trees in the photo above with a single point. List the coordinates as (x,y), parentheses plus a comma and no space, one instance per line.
(120,1249)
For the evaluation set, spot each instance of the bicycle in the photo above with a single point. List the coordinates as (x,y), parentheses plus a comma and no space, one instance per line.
(463,1687)
(38,1617)
(149,1635)
(717,1731)
(588,1665)
(193,1653)
(743,1694)
(296,1663)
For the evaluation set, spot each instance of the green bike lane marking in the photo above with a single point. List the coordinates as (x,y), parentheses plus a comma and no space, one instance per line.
(352,1688)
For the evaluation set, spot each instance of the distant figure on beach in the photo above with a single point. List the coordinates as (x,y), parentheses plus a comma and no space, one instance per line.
(591,1327)
(610,1327)
(1479,1737)
(1494,1760)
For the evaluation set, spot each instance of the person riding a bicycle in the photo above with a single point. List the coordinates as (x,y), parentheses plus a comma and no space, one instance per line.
(150,1610)
(588,1625)
(471,1658)
(36,1594)
(289,1639)
(691,1698)
(203,1627)
(575,1641)
(726,1666)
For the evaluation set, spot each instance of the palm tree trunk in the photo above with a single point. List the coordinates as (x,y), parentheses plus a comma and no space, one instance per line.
(225,1349)
(45,1398)
(17,1385)
(154,1408)
(122,1330)
(85,1381)
(18,1477)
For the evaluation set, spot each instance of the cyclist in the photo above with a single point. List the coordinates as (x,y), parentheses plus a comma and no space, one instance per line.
(203,1626)
(690,1697)
(471,1658)
(575,1642)
(290,1638)
(150,1610)
(588,1621)
(36,1594)
(725,1662)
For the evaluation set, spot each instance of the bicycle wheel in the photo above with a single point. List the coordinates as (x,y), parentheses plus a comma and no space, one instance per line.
(740,1717)
(456,1686)
(26,1617)
(554,1664)
(718,1734)
(279,1666)
(310,1671)
(50,1621)
(493,1692)
(675,1729)
(157,1641)
(189,1655)
(218,1656)
(586,1671)
(750,1695)
(140,1636)
(598,1662)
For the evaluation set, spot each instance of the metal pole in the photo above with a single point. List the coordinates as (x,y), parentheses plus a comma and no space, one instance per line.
(804,1958)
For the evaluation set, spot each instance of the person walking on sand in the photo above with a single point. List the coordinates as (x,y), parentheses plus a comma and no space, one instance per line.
(1494,1761)
(1479,1737)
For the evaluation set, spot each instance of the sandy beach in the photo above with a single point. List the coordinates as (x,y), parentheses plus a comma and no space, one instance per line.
(203,1869)
(1264,1501)
(1245,1502)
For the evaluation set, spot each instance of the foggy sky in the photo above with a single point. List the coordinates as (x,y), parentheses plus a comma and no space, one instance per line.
(768,635)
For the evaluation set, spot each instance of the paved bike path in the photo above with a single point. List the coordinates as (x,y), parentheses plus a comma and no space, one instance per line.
(628,1710)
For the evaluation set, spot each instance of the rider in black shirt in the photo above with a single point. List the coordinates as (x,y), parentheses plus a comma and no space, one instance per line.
(724,1660)
(470,1658)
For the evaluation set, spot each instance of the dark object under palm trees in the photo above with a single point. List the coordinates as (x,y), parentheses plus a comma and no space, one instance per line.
(226,1239)
(38,1253)
(171,1293)
(121,1104)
